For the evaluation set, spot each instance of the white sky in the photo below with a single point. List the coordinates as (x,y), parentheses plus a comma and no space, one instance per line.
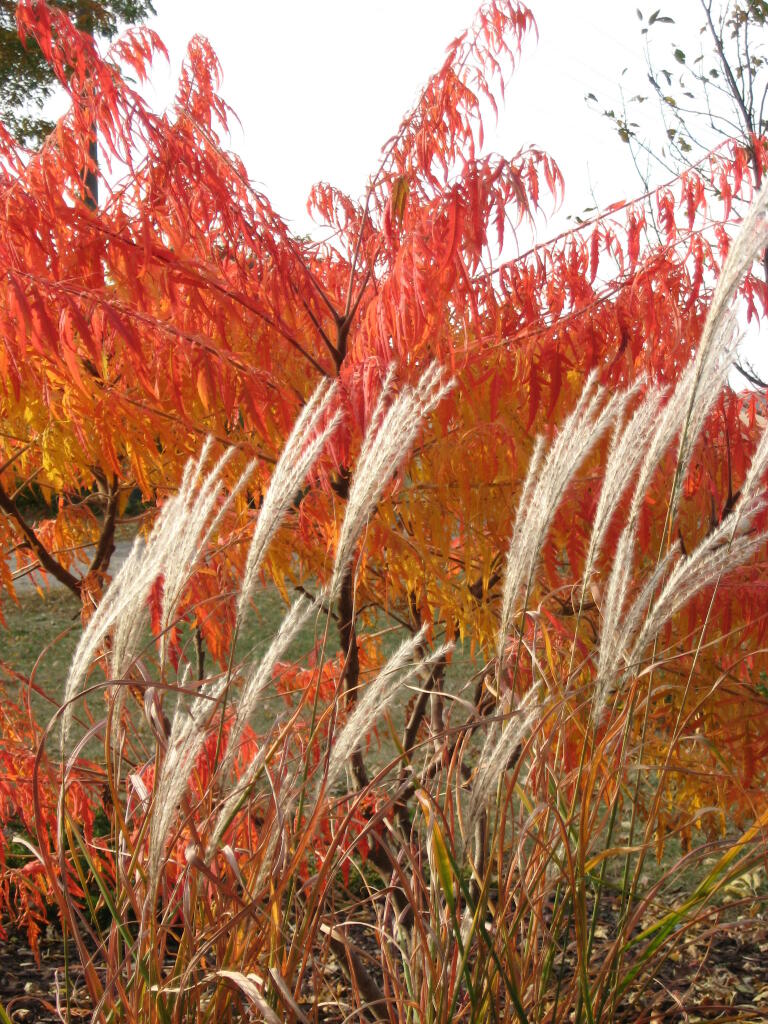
(320,85)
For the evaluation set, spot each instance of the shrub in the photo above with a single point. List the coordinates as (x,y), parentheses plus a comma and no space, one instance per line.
(500,856)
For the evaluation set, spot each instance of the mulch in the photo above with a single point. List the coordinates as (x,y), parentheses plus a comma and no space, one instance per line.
(717,977)
(28,988)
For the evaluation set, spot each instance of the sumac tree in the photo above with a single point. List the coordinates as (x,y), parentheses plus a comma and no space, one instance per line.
(184,307)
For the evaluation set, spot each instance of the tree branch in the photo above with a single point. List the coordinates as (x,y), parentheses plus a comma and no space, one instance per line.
(350,679)
(106,543)
(46,560)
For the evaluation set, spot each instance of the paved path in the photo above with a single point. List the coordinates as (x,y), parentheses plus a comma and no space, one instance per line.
(27,584)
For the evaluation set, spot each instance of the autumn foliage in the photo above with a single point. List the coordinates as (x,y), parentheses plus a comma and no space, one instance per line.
(184,307)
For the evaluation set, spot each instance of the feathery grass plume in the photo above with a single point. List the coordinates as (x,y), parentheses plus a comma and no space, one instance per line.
(670,422)
(718,553)
(199,501)
(398,671)
(123,606)
(495,756)
(189,727)
(720,326)
(641,623)
(700,385)
(615,620)
(666,428)
(512,585)
(614,616)
(299,454)
(260,674)
(141,568)
(724,549)
(629,442)
(387,441)
(684,414)
(709,378)
(543,489)
(123,602)
(180,536)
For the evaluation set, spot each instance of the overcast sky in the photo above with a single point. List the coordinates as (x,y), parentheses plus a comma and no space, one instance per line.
(320,85)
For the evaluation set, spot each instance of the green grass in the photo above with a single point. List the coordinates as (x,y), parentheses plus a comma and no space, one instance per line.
(39,638)
(42,631)
(33,626)
(50,623)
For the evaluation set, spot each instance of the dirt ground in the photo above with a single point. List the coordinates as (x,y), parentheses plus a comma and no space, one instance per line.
(27,988)
(731,985)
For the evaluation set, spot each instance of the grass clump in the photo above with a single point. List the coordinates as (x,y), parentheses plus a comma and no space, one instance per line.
(500,861)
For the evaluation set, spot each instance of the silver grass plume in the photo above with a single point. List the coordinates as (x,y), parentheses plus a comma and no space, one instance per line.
(684,414)
(543,489)
(260,674)
(668,423)
(629,442)
(186,524)
(671,421)
(387,441)
(719,327)
(724,549)
(189,728)
(201,509)
(495,756)
(122,609)
(404,664)
(719,552)
(614,616)
(298,456)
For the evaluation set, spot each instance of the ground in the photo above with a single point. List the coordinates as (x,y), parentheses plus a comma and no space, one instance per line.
(734,980)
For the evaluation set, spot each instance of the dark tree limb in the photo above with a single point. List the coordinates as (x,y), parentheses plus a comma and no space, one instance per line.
(350,680)
(199,652)
(106,543)
(44,557)
(351,673)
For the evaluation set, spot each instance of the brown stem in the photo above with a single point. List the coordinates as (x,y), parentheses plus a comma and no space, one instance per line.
(86,22)
(733,85)
(15,456)
(46,560)
(410,736)
(356,253)
(106,545)
(411,731)
(342,335)
(478,591)
(351,673)
(349,316)
(350,680)
(429,689)
(90,177)
(199,652)
(319,328)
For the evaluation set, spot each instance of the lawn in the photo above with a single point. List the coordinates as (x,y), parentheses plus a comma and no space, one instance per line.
(42,630)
